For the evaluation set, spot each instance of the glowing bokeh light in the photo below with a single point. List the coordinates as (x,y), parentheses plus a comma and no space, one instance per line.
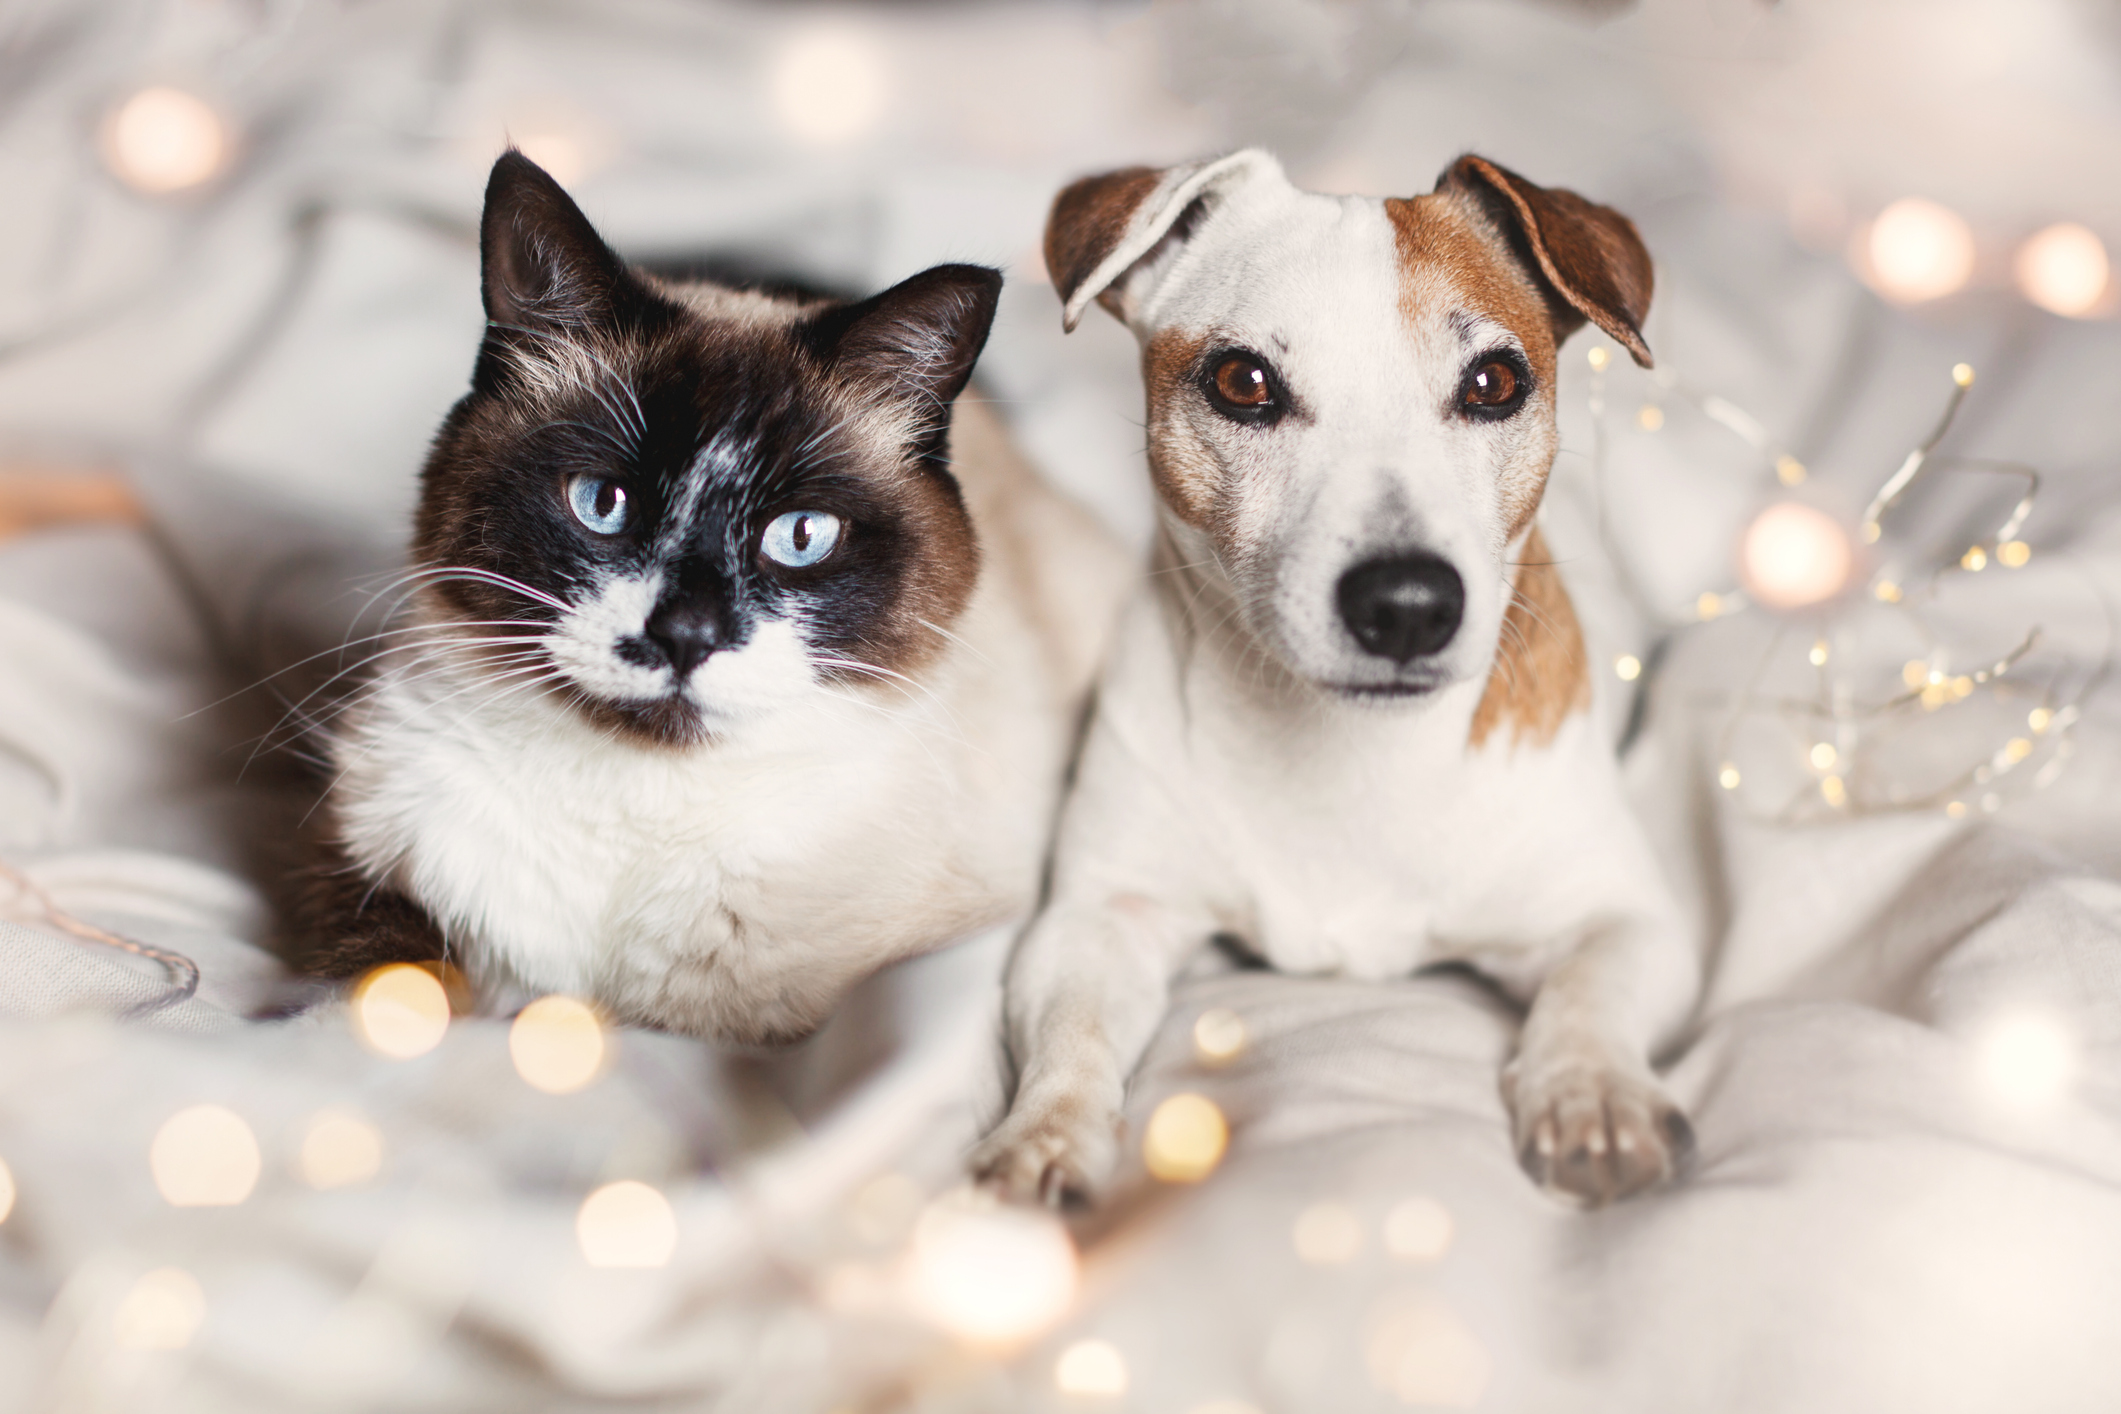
(163,140)
(2063,269)
(1185,1139)
(7,1191)
(204,1157)
(340,1149)
(163,1311)
(1093,1368)
(1419,1350)
(990,1273)
(400,1011)
(2027,1061)
(1219,1036)
(626,1224)
(1793,556)
(557,1044)
(1327,1234)
(1919,250)
(829,86)
(1418,1229)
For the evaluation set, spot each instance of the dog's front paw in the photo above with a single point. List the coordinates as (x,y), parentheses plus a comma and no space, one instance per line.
(1595,1133)
(1060,1154)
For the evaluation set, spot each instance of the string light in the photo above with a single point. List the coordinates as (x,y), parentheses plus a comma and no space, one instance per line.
(557,1044)
(990,1273)
(1627,667)
(1185,1139)
(164,140)
(400,1011)
(163,1311)
(1092,1368)
(2063,269)
(1793,554)
(204,1157)
(626,1224)
(1918,250)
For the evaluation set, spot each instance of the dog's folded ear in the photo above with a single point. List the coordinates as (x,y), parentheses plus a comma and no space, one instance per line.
(1587,256)
(1107,236)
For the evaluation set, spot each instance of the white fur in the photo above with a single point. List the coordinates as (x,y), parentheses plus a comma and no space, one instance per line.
(1226,786)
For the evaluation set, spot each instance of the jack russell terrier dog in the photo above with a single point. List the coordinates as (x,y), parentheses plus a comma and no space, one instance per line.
(1348,720)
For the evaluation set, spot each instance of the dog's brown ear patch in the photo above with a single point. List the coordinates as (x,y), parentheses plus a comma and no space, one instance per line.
(1589,254)
(1540,674)
(1088,221)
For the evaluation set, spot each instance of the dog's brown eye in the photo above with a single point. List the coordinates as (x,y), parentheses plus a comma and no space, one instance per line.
(1492,384)
(1243,383)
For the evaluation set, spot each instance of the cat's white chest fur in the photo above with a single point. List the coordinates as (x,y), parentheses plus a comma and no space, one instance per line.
(733,887)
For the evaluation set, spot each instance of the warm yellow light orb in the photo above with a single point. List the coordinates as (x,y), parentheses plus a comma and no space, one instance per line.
(1219,1036)
(1793,556)
(163,1311)
(1185,1139)
(2063,269)
(2027,1061)
(1327,1234)
(204,1157)
(164,140)
(400,1011)
(626,1224)
(7,1192)
(991,1273)
(1418,1229)
(1919,250)
(340,1149)
(1092,1368)
(1421,1351)
(829,86)
(557,1044)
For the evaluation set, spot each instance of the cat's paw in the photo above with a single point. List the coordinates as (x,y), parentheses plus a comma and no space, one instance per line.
(1059,1153)
(1594,1133)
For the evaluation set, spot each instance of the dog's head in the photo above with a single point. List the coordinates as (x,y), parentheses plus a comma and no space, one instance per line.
(1352,400)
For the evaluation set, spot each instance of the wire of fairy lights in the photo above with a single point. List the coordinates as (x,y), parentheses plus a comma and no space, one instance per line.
(1835,729)
(183,972)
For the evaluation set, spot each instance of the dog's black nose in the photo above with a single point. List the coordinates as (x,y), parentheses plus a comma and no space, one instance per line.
(1403,606)
(686,633)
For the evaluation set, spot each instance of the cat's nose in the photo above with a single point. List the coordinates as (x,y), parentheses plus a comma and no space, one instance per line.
(687,634)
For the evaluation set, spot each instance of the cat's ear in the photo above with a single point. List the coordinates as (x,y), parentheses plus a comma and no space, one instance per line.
(917,341)
(544,266)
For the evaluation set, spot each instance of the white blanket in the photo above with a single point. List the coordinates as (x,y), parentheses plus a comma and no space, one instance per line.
(1906,1076)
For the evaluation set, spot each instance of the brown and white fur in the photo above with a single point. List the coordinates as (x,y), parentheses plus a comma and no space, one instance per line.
(1346,721)
(622,751)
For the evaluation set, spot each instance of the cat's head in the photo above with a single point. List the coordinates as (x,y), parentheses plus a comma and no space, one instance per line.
(682,506)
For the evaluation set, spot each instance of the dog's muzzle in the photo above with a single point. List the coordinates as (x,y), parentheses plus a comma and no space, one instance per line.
(1402,607)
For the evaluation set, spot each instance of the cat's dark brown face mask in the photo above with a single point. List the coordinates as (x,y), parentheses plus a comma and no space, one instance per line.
(680,507)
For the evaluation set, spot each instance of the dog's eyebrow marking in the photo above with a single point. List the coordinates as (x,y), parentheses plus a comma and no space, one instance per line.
(1464,326)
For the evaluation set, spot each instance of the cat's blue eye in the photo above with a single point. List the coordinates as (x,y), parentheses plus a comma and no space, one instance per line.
(599,503)
(801,538)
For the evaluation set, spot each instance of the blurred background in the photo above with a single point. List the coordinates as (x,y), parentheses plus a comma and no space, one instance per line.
(239,288)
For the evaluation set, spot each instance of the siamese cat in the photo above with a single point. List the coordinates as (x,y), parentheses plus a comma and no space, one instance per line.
(742,657)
